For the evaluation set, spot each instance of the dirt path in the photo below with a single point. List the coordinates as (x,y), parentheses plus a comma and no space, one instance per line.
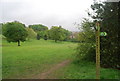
(44,75)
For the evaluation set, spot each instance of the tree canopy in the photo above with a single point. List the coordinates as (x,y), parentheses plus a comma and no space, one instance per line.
(38,27)
(55,33)
(107,16)
(88,33)
(86,47)
(58,33)
(14,32)
(31,33)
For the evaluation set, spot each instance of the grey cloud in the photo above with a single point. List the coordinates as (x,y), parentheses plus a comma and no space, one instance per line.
(49,14)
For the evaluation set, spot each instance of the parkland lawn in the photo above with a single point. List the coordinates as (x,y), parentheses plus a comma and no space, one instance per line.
(35,57)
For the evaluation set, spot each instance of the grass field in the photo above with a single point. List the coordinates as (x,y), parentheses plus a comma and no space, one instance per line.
(36,56)
(84,70)
(33,57)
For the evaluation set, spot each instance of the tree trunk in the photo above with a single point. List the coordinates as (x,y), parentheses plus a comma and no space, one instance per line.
(18,42)
(55,40)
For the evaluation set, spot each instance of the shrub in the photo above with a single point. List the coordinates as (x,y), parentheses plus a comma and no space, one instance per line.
(38,37)
(45,37)
(85,51)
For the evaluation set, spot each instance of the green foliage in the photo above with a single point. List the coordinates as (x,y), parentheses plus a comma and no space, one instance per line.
(86,47)
(38,27)
(85,51)
(45,37)
(42,33)
(14,32)
(65,34)
(107,14)
(38,36)
(58,33)
(31,33)
(55,33)
(1,28)
(88,33)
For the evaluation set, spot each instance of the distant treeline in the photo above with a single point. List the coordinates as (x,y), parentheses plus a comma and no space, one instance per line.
(17,31)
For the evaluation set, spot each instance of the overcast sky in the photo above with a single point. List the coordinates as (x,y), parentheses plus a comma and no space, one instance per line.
(46,12)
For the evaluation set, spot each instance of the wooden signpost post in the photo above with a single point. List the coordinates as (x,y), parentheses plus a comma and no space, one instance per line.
(98,34)
(97,51)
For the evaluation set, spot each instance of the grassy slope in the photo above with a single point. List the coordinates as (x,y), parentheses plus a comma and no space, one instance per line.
(34,57)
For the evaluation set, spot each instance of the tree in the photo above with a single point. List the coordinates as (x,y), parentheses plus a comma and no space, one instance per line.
(1,28)
(14,32)
(107,15)
(65,34)
(58,33)
(55,33)
(41,33)
(38,37)
(87,31)
(45,37)
(31,33)
(86,47)
(39,29)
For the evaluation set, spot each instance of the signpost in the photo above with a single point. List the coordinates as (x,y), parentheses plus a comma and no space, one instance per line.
(98,34)
(97,51)
(103,34)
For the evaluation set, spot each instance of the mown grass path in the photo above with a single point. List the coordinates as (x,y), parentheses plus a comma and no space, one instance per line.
(46,74)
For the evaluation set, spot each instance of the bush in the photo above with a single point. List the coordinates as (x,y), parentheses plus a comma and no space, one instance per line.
(85,51)
(31,33)
(38,37)
(45,37)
